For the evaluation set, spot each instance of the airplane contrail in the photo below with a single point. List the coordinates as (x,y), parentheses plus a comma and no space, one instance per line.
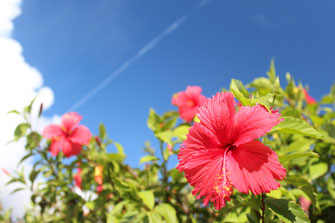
(144,50)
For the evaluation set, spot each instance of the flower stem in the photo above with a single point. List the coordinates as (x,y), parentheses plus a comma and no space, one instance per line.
(263,208)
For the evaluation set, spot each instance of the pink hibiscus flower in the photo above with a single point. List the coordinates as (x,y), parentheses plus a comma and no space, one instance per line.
(77,178)
(221,152)
(188,102)
(70,136)
(308,98)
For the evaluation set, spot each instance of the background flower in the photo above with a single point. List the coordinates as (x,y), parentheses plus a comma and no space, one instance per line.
(69,136)
(188,102)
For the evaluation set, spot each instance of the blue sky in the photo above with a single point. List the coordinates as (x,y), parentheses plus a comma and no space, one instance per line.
(77,44)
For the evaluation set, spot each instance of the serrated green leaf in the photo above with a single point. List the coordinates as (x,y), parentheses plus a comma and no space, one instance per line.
(147,198)
(167,212)
(287,211)
(148,158)
(297,126)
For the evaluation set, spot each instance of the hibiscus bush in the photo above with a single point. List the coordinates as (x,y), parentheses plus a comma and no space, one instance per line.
(259,152)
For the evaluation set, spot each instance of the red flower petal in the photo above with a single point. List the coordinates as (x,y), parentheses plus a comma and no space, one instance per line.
(252,123)
(199,139)
(308,98)
(70,120)
(255,167)
(206,172)
(67,148)
(81,135)
(77,178)
(75,149)
(187,113)
(202,160)
(55,146)
(52,131)
(217,116)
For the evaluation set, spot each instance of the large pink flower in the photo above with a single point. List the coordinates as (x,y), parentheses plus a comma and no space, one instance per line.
(70,136)
(188,102)
(222,151)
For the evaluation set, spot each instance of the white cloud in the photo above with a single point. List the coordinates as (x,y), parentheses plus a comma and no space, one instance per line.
(19,84)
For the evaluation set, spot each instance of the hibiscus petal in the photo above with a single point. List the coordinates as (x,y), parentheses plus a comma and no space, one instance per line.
(81,135)
(199,138)
(187,113)
(206,172)
(52,131)
(55,146)
(255,167)
(217,115)
(253,122)
(70,120)
(179,99)
(76,149)
(67,148)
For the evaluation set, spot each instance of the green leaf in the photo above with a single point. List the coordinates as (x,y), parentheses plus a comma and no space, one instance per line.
(181,131)
(318,169)
(147,158)
(287,211)
(154,217)
(14,112)
(17,190)
(261,82)
(300,145)
(21,130)
(119,148)
(264,100)
(165,136)
(33,140)
(331,186)
(32,176)
(237,215)
(147,198)
(296,155)
(153,120)
(236,87)
(90,205)
(167,212)
(272,71)
(25,157)
(297,126)
(304,185)
(116,157)
(102,131)
(28,108)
